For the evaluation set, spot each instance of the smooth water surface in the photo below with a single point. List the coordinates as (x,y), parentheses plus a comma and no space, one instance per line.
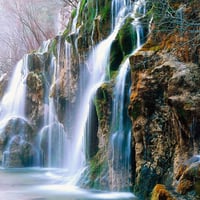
(47,184)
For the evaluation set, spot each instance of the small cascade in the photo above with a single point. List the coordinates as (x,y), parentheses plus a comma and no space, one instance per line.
(15,131)
(52,137)
(13,102)
(99,56)
(180,19)
(74,23)
(52,140)
(44,47)
(119,10)
(121,133)
(120,128)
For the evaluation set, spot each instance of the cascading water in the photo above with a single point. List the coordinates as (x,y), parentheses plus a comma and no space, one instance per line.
(13,116)
(120,128)
(121,134)
(13,101)
(119,9)
(96,64)
(63,148)
(52,137)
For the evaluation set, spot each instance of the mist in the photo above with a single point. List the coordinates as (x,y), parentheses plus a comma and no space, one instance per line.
(25,24)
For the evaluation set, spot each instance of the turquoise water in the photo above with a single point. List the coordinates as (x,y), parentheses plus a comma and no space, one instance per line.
(47,184)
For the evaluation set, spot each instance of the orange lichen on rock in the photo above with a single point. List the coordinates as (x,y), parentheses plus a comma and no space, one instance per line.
(160,193)
(188,176)
(183,186)
(180,171)
(134,93)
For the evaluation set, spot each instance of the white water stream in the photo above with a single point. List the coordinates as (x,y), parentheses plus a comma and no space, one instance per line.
(121,132)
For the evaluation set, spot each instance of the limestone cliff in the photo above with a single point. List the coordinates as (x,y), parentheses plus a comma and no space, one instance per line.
(165,99)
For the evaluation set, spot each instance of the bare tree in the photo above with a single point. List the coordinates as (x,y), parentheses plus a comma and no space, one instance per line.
(24,26)
(71,3)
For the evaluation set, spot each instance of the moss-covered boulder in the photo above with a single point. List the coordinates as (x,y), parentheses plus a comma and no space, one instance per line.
(116,57)
(127,38)
(93,23)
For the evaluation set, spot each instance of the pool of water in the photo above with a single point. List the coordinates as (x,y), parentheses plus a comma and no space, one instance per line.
(48,184)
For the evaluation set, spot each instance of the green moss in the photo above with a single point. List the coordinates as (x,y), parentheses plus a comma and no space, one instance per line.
(100,100)
(73,14)
(182,113)
(105,12)
(98,170)
(53,48)
(116,56)
(155,48)
(127,38)
(83,2)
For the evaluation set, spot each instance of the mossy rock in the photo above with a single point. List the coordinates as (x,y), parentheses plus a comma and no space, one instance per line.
(127,38)
(116,56)
(34,81)
(37,62)
(102,99)
(96,175)
(89,12)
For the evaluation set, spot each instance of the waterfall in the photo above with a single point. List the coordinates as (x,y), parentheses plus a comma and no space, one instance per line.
(74,23)
(13,101)
(52,137)
(121,134)
(53,140)
(61,143)
(96,65)
(15,131)
(120,128)
(119,10)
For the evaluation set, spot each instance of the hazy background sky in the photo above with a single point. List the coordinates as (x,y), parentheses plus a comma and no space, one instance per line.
(24,24)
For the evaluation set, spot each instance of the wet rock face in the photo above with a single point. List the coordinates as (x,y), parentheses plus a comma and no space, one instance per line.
(35,96)
(16,143)
(164,111)
(52,74)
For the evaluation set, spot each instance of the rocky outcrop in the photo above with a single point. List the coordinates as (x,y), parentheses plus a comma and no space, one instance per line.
(164,110)
(16,143)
